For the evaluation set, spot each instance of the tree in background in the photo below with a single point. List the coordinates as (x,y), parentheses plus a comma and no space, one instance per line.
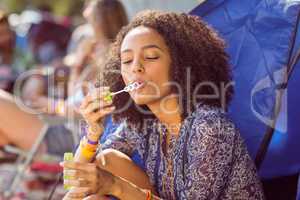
(59,7)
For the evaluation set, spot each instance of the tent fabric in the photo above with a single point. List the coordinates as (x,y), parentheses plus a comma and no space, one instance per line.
(259,36)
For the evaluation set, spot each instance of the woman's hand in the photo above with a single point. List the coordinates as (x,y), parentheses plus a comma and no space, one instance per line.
(90,178)
(94,108)
(97,197)
(80,193)
(76,193)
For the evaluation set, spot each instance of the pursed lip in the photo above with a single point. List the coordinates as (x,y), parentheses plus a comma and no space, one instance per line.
(140,81)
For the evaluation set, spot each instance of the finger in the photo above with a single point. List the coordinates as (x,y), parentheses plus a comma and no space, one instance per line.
(69,174)
(78,193)
(86,167)
(96,197)
(96,105)
(99,102)
(96,116)
(94,95)
(78,174)
(100,159)
(92,197)
(77,183)
(72,198)
(97,93)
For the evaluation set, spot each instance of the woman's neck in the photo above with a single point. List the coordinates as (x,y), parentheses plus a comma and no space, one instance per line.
(168,112)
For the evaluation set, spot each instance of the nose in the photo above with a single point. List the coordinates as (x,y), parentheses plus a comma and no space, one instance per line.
(138,67)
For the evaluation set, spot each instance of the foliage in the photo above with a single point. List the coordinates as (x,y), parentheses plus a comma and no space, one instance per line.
(59,7)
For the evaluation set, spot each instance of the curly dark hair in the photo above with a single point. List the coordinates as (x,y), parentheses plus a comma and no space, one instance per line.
(193,46)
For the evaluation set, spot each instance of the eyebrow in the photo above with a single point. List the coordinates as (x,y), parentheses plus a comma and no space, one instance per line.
(145,47)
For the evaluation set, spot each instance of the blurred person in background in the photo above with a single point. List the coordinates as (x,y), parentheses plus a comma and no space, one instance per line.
(86,61)
(48,39)
(106,17)
(7,43)
(13,60)
(91,52)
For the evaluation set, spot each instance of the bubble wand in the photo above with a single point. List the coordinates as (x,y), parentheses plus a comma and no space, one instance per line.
(129,88)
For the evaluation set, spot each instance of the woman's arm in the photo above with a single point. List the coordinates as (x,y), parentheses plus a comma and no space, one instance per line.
(120,165)
(101,182)
(80,156)
(124,189)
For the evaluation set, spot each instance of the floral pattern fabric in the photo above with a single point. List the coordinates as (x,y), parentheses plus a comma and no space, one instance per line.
(208,160)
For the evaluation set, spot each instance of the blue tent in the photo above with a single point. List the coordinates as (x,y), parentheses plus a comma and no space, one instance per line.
(263,41)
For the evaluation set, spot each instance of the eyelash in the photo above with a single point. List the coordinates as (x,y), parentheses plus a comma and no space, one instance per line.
(149,58)
(126,62)
(152,58)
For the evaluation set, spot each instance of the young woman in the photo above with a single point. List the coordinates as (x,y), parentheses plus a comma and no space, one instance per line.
(176,120)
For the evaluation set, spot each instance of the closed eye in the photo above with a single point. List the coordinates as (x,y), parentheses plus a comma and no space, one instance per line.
(152,58)
(126,62)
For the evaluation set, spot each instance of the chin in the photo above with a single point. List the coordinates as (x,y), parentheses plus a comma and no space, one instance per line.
(139,100)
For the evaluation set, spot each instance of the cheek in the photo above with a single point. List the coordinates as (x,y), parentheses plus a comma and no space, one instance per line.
(159,72)
(125,76)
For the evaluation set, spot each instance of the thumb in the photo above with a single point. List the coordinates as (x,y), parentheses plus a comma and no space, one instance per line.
(96,197)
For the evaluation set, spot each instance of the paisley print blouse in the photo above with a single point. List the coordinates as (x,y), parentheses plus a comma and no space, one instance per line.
(208,160)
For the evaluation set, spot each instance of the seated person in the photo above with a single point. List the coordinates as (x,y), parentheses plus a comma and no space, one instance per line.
(7,38)
(189,148)
(13,60)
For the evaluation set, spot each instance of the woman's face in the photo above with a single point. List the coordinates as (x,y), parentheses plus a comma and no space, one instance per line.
(145,58)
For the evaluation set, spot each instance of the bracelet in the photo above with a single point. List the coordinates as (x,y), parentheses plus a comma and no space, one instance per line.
(92,139)
(149,195)
(92,142)
(87,146)
(87,154)
(89,142)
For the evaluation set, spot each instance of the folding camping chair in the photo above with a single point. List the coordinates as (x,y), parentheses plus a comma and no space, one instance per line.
(25,158)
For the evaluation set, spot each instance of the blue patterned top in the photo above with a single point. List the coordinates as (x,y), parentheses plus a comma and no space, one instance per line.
(208,160)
